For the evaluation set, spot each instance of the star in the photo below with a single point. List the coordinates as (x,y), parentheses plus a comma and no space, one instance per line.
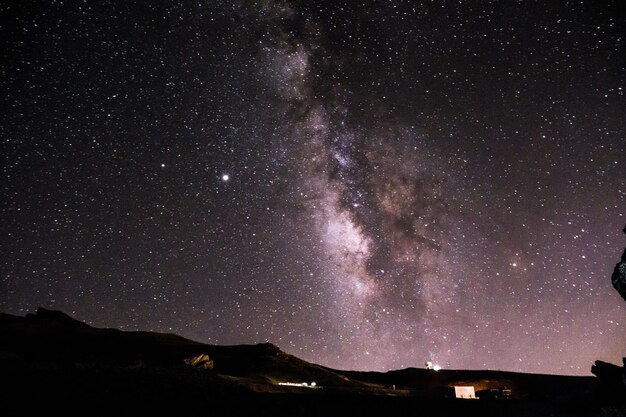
(420,182)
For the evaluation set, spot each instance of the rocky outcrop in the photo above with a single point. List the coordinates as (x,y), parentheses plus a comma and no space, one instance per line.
(613,377)
(612,388)
(201,361)
(619,275)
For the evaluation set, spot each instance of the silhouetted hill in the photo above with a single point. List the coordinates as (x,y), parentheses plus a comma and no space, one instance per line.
(52,336)
(54,363)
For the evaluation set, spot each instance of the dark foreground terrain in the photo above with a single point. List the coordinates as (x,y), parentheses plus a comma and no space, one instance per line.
(51,362)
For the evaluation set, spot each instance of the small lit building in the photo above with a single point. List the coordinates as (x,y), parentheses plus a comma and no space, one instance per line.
(500,393)
(495,394)
(466,392)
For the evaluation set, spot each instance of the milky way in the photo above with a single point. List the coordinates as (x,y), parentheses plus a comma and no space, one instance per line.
(366,185)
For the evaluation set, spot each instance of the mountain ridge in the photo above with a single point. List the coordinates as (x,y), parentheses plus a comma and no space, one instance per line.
(49,346)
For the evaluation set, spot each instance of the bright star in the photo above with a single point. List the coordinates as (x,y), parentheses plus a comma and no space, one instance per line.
(225,177)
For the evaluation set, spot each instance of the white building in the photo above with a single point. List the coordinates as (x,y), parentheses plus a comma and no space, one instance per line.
(464,392)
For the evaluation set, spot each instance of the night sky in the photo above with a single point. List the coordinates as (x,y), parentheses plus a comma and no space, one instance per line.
(367,185)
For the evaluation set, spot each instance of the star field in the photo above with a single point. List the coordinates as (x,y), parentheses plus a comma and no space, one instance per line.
(368,185)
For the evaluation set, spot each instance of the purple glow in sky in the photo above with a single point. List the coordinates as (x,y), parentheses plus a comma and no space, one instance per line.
(367,185)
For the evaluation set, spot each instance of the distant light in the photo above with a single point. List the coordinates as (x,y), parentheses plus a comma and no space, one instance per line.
(225,177)
(310,385)
(436,367)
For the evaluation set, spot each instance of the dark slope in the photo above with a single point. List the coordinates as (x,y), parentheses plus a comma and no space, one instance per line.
(52,362)
(522,386)
(52,336)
